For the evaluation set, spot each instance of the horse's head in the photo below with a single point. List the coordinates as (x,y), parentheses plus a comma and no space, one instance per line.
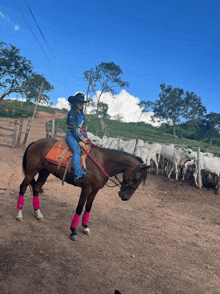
(131,181)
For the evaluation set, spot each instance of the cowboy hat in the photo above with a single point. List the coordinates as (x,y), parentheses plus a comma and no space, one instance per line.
(77,98)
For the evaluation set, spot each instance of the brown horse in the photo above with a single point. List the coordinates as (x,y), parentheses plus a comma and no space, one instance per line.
(111,162)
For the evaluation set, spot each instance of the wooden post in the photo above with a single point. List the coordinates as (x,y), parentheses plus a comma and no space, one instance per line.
(53,128)
(198,169)
(56,130)
(48,130)
(27,133)
(14,133)
(118,143)
(39,95)
(19,132)
(96,131)
(135,147)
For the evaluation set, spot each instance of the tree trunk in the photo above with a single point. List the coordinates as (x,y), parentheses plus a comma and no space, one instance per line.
(174,130)
(97,110)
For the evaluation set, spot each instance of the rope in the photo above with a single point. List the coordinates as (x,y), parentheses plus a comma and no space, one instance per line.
(96,162)
(88,154)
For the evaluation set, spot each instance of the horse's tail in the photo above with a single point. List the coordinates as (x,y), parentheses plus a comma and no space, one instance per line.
(24,166)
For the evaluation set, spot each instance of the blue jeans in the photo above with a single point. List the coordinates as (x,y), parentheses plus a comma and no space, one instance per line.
(74,145)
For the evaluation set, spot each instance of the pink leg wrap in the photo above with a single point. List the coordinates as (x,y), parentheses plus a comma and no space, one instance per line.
(36,202)
(75,221)
(85,218)
(20,202)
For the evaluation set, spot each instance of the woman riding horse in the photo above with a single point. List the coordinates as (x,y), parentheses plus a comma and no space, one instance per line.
(102,163)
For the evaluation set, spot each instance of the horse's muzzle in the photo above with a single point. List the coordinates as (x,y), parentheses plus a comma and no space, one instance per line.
(123,196)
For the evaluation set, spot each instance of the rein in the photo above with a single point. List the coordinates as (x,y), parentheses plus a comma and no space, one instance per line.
(127,183)
(88,154)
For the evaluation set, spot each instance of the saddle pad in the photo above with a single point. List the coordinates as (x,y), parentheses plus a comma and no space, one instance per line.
(55,152)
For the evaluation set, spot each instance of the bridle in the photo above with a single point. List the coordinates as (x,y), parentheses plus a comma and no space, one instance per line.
(128,183)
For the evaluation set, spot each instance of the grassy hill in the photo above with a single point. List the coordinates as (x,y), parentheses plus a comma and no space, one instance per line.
(143,131)
(17,109)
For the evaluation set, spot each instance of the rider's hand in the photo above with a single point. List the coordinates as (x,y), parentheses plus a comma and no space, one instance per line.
(82,144)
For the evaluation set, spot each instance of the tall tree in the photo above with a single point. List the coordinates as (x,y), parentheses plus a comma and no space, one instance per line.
(105,78)
(32,86)
(14,70)
(145,107)
(192,107)
(211,125)
(170,105)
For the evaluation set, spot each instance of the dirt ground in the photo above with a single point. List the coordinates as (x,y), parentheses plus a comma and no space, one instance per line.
(164,240)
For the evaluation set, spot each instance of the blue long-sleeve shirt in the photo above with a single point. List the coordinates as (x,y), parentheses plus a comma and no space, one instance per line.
(78,130)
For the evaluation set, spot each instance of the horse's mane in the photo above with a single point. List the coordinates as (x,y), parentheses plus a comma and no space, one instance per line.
(116,151)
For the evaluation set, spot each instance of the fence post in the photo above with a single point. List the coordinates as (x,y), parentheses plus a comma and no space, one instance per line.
(14,133)
(19,132)
(47,130)
(53,128)
(135,147)
(38,99)
(96,131)
(118,143)
(27,132)
(198,169)
(56,130)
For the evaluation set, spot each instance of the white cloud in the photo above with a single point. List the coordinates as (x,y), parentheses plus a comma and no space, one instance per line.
(123,105)
(62,103)
(16,28)
(126,106)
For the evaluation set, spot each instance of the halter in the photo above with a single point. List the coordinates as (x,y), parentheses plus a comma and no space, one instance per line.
(128,183)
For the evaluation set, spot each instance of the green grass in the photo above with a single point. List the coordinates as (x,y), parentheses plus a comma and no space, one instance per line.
(12,109)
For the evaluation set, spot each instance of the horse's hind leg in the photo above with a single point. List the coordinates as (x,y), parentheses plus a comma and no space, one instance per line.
(42,177)
(29,178)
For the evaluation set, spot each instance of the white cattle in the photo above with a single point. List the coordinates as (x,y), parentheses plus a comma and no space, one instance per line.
(177,157)
(210,165)
(154,154)
(189,164)
(142,152)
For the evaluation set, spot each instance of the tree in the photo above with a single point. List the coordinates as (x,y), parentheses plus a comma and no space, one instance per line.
(32,85)
(146,106)
(102,109)
(170,105)
(14,70)
(106,77)
(192,107)
(211,124)
(174,105)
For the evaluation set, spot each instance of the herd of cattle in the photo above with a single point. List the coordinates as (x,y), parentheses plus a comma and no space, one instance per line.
(169,158)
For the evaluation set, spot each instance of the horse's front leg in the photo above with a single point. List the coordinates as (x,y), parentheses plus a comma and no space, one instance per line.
(86,215)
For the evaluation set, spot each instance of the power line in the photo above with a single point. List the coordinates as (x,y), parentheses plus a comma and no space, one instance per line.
(33,33)
(39,27)
(62,73)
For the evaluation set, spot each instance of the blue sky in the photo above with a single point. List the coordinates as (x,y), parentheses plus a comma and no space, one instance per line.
(173,42)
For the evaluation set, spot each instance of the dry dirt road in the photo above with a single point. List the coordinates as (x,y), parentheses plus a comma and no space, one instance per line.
(164,240)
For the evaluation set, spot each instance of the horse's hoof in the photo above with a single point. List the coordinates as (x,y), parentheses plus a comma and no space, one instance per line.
(39,216)
(74,238)
(86,231)
(19,219)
